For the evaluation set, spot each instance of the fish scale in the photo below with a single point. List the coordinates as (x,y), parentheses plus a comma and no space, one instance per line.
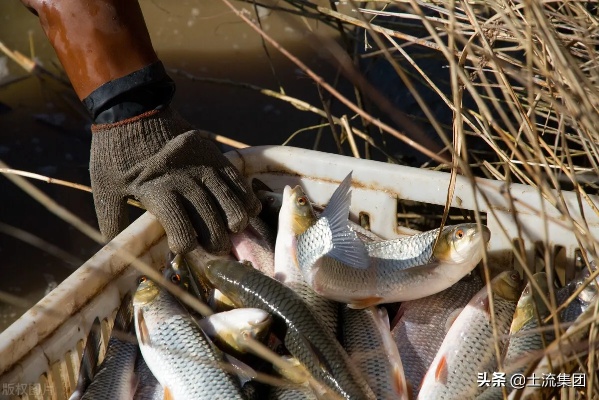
(148,387)
(291,393)
(327,311)
(286,269)
(423,325)
(115,377)
(404,252)
(316,241)
(305,338)
(468,349)
(363,339)
(518,347)
(178,353)
(524,335)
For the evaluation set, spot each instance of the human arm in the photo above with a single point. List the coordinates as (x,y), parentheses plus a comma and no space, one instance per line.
(140,146)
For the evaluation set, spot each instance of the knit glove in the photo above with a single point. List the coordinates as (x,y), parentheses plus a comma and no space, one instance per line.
(181,178)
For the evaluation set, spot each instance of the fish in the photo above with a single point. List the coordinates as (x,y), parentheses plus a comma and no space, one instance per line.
(468,348)
(225,327)
(291,393)
(274,201)
(148,387)
(373,273)
(89,360)
(255,244)
(183,274)
(558,354)
(286,270)
(305,337)
(115,377)
(367,339)
(403,269)
(176,350)
(525,337)
(422,325)
(329,235)
(584,298)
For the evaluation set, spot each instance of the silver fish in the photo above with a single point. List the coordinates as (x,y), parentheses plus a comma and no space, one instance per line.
(176,350)
(115,377)
(305,337)
(286,270)
(525,337)
(402,269)
(367,339)
(558,354)
(468,347)
(423,323)
(582,301)
(338,266)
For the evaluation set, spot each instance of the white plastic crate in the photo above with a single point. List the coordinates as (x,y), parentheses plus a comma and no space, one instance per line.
(40,351)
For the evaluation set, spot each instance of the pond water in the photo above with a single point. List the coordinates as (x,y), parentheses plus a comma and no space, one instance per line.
(44,130)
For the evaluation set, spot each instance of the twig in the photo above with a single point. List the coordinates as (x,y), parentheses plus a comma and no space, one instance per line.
(350,136)
(78,186)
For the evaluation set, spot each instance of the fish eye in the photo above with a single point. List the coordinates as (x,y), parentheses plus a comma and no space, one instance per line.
(302,201)
(459,233)
(176,278)
(515,276)
(270,199)
(141,279)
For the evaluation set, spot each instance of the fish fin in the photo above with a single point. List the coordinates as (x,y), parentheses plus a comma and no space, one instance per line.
(381,321)
(244,372)
(195,286)
(397,317)
(452,317)
(441,371)
(347,247)
(144,335)
(167,394)
(410,394)
(124,316)
(487,305)
(89,360)
(399,383)
(365,302)
(134,382)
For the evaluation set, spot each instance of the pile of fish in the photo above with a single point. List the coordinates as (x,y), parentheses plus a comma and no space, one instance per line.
(320,295)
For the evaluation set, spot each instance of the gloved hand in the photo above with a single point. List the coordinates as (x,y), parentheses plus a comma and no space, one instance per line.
(181,178)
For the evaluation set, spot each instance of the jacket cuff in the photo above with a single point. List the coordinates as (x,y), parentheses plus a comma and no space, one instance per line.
(147,89)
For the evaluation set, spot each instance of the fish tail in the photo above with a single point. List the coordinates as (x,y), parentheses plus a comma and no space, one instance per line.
(89,360)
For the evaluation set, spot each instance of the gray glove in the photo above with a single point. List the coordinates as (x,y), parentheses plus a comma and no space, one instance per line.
(181,178)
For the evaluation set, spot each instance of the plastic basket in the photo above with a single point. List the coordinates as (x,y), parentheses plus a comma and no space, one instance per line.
(39,353)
